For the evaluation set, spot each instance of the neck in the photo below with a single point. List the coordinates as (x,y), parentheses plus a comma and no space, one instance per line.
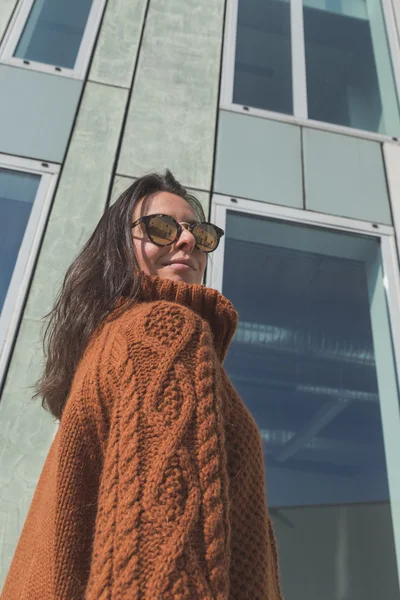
(208,303)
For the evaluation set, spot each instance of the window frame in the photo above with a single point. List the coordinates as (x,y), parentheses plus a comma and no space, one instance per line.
(390,411)
(15,30)
(299,82)
(26,259)
(396,13)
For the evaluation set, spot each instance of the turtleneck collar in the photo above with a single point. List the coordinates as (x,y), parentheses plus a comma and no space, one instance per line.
(208,303)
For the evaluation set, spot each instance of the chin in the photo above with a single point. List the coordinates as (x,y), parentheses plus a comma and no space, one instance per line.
(186,277)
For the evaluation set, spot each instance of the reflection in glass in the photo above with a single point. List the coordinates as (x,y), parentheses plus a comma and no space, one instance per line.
(349,72)
(263,63)
(17,194)
(54,31)
(303,361)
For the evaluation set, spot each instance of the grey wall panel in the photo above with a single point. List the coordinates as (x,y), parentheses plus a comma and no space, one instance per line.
(345,176)
(26,430)
(259,159)
(36,113)
(171,120)
(116,50)
(6,11)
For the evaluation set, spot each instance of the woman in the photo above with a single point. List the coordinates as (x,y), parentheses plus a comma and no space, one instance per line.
(154,486)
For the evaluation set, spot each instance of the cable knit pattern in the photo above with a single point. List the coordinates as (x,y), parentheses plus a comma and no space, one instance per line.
(154,485)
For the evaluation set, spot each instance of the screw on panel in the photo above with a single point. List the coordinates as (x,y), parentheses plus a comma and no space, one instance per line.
(234,200)
(26,62)
(58,68)
(44,164)
(375,226)
(246,108)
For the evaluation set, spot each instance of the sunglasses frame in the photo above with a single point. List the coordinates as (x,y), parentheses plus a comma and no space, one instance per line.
(189,227)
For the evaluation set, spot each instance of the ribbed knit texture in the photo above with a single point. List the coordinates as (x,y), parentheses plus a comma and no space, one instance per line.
(154,485)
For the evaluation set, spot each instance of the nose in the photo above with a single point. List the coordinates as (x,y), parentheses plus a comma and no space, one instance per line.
(186,240)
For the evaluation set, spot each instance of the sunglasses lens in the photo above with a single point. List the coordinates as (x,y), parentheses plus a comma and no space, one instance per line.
(206,237)
(161,230)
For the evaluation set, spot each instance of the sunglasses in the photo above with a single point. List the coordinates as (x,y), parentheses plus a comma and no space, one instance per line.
(163,230)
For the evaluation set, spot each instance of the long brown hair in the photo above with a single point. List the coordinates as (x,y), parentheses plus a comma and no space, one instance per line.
(104,270)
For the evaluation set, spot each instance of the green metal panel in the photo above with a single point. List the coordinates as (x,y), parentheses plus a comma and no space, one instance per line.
(121,183)
(259,159)
(25,429)
(82,193)
(118,43)
(37,111)
(171,121)
(345,176)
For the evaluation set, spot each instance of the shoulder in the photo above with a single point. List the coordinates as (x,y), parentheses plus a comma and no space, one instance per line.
(148,343)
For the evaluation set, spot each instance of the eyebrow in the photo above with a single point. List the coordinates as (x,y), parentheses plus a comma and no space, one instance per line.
(190,222)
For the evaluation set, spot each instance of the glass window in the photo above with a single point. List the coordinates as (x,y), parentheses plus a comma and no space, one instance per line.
(17,194)
(326,60)
(349,73)
(263,63)
(26,189)
(312,359)
(54,31)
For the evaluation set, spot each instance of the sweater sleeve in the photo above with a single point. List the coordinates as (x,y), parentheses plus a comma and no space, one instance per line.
(162,529)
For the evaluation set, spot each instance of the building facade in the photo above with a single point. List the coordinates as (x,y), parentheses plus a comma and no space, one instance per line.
(283,117)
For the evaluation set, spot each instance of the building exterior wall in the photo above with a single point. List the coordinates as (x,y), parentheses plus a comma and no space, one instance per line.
(175,93)
(345,176)
(36,124)
(152,99)
(259,159)
(117,48)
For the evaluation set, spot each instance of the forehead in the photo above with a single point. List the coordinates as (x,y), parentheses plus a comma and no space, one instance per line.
(166,203)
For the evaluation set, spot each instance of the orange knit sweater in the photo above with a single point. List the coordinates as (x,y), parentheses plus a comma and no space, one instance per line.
(154,485)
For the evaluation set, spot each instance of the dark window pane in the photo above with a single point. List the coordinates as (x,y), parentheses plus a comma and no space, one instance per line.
(54,31)
(349,74)
(303,360)
(17,194)
(263,63)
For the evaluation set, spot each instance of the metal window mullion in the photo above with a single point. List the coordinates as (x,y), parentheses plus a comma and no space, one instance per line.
(27,165)
(15,29)
(228,63)
(395,8)
(306,217)
(299,79)
(18,287)
(391,155)
(393,36)
(216,261)
(312,124)
(88,38)
(389,404)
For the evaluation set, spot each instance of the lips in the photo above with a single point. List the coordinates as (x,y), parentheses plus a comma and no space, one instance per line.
(181,261)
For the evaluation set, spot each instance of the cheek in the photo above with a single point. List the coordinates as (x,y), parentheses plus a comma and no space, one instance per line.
(202,260)
(147,255)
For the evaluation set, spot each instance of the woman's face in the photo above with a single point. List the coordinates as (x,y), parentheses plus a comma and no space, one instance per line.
(164,261)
